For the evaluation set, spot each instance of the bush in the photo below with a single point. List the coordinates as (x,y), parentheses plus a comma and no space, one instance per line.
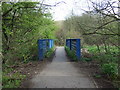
(105,58)
(13,80)
(110,69)
(86,59)
(49,52)
(108,61)
(71,54)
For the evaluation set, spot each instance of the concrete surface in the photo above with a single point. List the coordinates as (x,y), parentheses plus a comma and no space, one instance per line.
(61,74)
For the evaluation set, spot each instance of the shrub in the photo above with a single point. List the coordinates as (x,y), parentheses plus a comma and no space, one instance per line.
(110,69)
(13,80)
(49,52)
(71,54)
(86,59)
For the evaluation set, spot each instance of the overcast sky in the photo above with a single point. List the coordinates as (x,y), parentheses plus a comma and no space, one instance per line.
(64,10)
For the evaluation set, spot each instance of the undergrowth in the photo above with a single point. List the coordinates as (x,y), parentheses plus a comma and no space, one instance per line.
(49,52)
(108,62)
(71,54)
(11,79)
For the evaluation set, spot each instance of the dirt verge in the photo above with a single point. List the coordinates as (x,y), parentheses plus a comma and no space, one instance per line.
(92,69)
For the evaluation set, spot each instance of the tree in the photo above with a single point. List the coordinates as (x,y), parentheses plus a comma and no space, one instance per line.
(23,23)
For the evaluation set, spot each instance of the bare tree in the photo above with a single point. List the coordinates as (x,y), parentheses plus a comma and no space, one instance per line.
(107,10)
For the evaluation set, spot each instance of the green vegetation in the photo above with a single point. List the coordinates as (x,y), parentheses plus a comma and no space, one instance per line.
(70,53)
(22,27)
(23,23)
(98,31)
(60,34)
(85,59)
(93,49)
(111,56)
(108,62)
(50,52)
(11,80)
(110,69)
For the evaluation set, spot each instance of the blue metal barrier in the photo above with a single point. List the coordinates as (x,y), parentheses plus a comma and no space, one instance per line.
(74,45)
(43,46)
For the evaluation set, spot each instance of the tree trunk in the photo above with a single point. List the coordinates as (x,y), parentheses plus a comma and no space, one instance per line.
(105,47)
(98,48)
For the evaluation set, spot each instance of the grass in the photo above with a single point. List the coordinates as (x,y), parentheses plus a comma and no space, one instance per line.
(111,56)
(10,79)
(93,49)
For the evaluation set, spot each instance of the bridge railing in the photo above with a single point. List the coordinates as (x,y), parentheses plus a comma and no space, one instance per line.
(44,45)
(74,47)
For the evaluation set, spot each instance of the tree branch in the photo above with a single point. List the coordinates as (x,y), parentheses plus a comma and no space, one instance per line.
(47,5)
(100,34)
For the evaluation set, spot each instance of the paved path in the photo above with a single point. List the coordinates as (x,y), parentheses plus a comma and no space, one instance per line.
(61,74)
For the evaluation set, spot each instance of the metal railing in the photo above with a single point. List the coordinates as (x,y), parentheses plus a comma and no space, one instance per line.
(74,46)
(43,46)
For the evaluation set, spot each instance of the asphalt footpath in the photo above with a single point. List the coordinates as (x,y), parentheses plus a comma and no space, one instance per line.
(61,73)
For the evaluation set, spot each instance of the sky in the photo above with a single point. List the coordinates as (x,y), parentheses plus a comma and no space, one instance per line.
(64,10)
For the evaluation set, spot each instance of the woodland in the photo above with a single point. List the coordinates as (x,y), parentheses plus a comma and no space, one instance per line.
(23,23)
